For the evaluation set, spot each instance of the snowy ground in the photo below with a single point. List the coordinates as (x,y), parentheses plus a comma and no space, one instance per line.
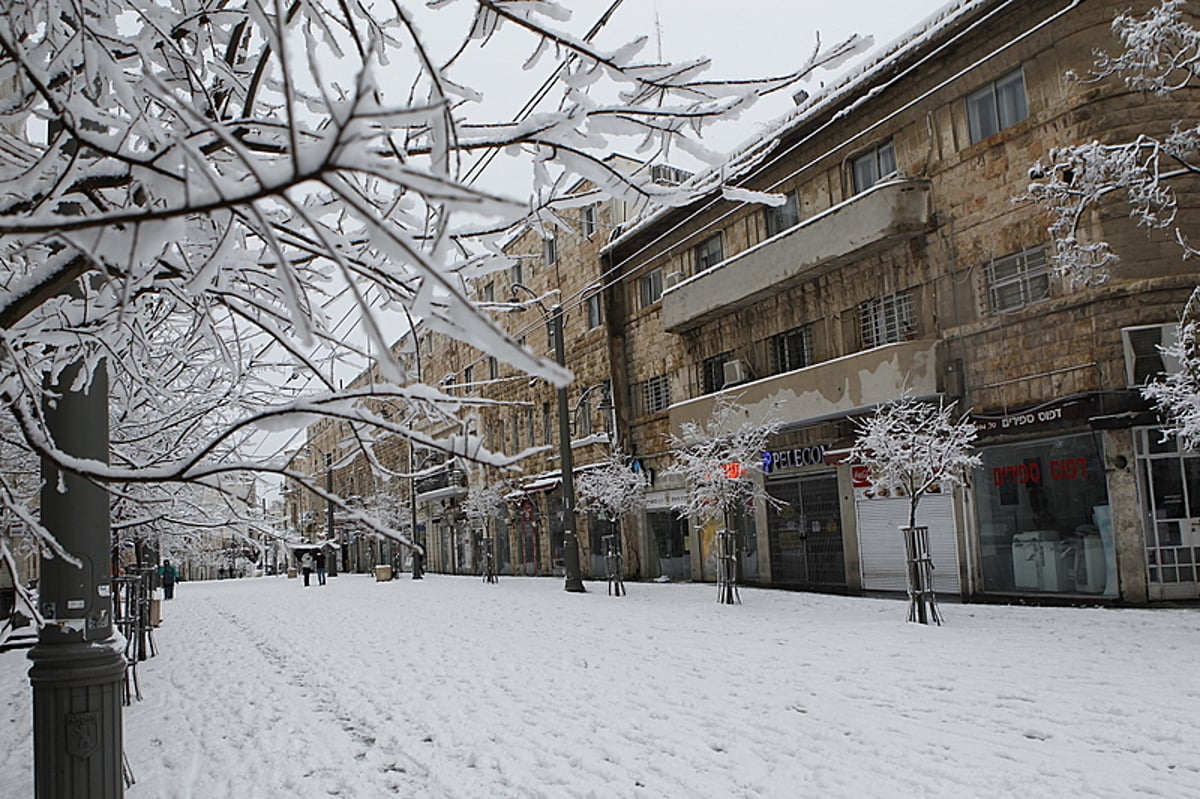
(453,688)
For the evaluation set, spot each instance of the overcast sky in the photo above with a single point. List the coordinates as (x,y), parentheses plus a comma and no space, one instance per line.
(743,38)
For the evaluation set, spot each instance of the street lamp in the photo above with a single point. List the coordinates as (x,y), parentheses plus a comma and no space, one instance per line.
(554,318)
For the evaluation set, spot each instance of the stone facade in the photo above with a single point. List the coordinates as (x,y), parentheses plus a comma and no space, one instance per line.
(903,263)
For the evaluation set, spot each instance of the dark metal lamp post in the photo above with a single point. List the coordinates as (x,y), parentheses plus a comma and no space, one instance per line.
(554,318)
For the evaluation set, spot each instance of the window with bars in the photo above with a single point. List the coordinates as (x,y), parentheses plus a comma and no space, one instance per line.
(709,252)
(887,319)
(996,106)
(587,220)
(652,396)
(874,165)
(1017,280)
(650,288)
(792,349)
(781,217)
(712,373)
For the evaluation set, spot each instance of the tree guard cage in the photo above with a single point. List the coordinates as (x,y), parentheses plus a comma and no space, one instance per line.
(489,561)
(727,562)
(922,603)
(614,565)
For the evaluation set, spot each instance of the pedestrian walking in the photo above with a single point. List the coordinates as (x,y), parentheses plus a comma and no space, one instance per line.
(306,566)
(168,574)
(320,561)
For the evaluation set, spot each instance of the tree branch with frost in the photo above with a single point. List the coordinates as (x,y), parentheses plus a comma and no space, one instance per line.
(719,459)
(612,489)
(915,445)
(1160,56)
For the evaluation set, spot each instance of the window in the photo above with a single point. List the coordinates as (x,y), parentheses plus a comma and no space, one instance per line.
(874,165)
(1145,360)
(713,372)
(652,396)
(518,272)
(547,425)
(996,106)
(1017,280)
(493,368)
(550,251)
(587,220)
(886,320)
(489,292)
(709,252)
(781,217)
(650,288)
(530,433)
(594,317)
(501,444)
(665,175)
(792,349)
(516,431)
(469,378)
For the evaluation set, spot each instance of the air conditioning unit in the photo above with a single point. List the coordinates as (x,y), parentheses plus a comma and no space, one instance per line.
(736,372)
(1144,359)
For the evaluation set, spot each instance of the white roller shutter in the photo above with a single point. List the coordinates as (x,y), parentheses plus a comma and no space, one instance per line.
(881,545)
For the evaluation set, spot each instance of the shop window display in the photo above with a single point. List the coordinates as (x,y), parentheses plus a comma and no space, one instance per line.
(1044,522)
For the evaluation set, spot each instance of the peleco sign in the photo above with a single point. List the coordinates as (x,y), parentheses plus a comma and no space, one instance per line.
(793,458)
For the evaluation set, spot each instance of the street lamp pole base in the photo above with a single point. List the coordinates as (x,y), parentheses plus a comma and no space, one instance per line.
(574,583)
(77,712)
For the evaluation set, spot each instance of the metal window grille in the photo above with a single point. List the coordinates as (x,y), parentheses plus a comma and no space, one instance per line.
(654,395)
(1018,280)
(886,320)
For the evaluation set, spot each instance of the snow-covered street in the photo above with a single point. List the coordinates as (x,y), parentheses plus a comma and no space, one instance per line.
(450,687)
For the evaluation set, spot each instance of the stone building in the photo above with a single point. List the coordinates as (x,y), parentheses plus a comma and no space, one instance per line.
(901,262)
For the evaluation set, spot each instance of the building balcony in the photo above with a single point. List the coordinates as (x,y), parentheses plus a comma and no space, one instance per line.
(841,387)
(881,216)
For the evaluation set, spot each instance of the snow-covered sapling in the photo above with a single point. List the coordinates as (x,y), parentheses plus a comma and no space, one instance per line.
(913,446)
(718,461)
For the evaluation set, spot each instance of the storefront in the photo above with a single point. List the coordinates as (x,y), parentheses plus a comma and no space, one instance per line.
(805,545)
(882,556)
(670,545)
(1043,517)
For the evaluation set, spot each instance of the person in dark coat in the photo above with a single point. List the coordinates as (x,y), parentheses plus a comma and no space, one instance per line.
(169,575)
(320,561)
(306,566)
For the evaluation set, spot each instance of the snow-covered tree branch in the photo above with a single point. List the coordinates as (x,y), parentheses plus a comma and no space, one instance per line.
(914,445)
(719,459)
(195,191)
(1161,55)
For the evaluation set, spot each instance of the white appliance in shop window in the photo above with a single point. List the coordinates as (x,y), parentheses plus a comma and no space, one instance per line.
(1038,561)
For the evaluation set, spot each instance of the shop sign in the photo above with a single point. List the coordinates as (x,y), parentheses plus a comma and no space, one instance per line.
(793,458)
(1023,421)
(1032,472)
